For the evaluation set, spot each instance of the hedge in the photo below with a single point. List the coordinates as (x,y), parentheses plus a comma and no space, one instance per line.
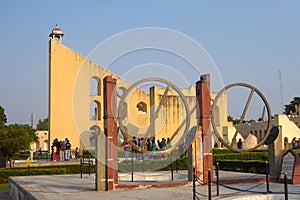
(251,166)
(43,170)
(263,156)
(69,169)
(4,174)
(225,151)
(221,151)
(252,162)
(296,151)
(153,165)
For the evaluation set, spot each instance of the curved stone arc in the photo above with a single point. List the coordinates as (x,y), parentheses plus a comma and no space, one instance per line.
(121,108)
(267,107)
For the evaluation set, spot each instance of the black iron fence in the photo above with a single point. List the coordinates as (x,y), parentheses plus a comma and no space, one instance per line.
(87,161)
(254,188)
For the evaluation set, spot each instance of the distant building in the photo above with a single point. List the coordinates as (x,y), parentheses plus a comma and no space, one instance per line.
(290,125)
(41,143)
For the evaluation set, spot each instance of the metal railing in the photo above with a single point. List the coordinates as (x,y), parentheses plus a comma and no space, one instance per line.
(89,162)
(236,190)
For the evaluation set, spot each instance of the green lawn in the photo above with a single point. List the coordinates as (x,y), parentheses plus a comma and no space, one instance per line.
(3,187)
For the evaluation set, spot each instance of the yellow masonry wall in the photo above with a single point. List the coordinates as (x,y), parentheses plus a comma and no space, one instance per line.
(69,101)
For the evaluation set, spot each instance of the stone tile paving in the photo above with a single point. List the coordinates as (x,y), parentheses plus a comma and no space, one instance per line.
(72,187)
(4,195)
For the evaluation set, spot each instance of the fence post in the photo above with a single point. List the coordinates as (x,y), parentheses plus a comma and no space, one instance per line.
(28,170)
(172,175)
(217,174)
(143,161)
(267,177)
(89,166)
(80,167)
(209,184)
(28,163)
(194,184)
(285,187)
(132,165)
(82,155)
(176,165)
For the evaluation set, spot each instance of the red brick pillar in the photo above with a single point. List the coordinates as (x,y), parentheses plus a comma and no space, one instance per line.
(204,114)
(111,131)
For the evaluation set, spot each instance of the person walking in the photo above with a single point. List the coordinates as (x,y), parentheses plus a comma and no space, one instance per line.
(153,145)
(148,144)
(68,149)
(134,150)
(77,153)
(126,149)
(62,151)
(169,145)
(240,144)
(139,154)
(54,152)
(55,144)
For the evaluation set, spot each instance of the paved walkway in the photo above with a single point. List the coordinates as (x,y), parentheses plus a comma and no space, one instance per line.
(73,187)
(4,195)
(233,186)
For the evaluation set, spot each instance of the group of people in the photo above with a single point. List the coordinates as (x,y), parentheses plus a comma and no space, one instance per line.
(62,150)
(150,145)
(296,143)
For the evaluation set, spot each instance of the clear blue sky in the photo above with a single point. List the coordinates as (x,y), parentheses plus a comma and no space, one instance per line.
(250,41)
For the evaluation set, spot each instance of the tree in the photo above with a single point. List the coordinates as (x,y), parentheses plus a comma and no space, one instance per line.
(291,108)
(42,125)
(3,118)
(14,138)
(234,121)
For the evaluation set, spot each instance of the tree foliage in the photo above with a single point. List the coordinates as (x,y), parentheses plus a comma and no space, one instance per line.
(14,138)
(3,118)
(291,107)
(234,121)
(42,125)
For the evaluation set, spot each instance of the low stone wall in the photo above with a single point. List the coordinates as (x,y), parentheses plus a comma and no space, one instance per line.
(17,192)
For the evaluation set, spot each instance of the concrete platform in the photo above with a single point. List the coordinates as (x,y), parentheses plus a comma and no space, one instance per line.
(73,187)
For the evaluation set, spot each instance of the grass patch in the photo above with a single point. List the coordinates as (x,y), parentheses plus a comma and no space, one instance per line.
(154,164)
(3,187)
(43,170)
